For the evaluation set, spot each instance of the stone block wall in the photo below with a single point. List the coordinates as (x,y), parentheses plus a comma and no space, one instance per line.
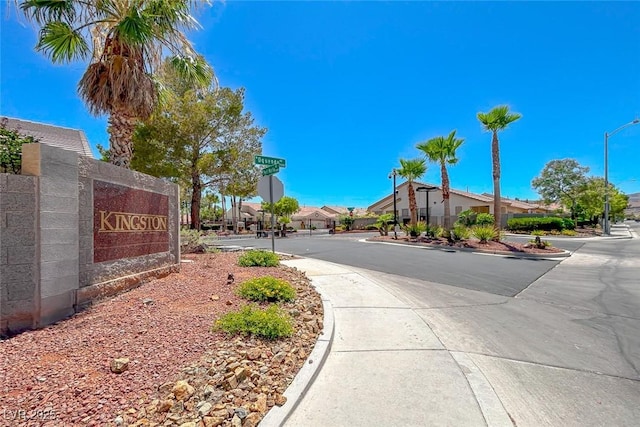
(48,217)
(18,249)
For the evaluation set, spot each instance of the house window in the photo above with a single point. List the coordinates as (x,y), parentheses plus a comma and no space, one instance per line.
(405,213)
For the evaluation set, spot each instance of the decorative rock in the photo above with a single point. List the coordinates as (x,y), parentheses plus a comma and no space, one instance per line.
(215,297)
(241,412)
(241,374)
(182,390)
(165,388)
(165,405)
(236,421)
(212,421)
(254,354)
(188,424)
(280,400)
(118,420)
(204,409)
(120,365)
(260,405)
(252,420)
(147,301)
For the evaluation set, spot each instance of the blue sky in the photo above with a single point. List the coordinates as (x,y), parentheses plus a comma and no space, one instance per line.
(348,88)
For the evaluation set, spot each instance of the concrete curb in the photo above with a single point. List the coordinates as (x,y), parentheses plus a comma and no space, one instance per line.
(309,371)
(562,254)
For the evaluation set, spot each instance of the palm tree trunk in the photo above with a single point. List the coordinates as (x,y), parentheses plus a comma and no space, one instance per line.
(445,196)
(121,127)
(413,206)
(497,201)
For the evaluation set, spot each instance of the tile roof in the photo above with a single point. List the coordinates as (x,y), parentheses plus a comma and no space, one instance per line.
(55,136)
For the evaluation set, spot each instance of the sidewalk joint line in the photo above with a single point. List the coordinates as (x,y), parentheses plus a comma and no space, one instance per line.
(546,365)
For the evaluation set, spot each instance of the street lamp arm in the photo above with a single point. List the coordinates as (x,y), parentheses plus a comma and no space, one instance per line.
(631,123)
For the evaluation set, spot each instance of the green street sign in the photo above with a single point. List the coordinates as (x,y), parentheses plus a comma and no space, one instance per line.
(270,170)
(269,161)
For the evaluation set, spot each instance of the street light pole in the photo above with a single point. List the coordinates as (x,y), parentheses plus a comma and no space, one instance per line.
(605,223)
(394,173)
(426,190)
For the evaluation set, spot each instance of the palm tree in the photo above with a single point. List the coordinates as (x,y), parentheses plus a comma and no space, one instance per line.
(442,150)
(412,170)
(126,40)
(495,121)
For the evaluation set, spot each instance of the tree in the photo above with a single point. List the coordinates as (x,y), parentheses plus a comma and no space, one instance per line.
(11,141)
(209,209)
(126,40)
(561,181)
(442,150)
(412,170)
(497,120)
(282,209)
(591,199)
(202,140)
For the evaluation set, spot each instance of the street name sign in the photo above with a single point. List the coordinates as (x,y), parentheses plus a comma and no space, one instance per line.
(270,170)
(269,161)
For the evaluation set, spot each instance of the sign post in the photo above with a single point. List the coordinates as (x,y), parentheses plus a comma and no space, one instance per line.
(273,166)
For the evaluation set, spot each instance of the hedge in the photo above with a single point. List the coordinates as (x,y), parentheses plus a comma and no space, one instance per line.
(538,223)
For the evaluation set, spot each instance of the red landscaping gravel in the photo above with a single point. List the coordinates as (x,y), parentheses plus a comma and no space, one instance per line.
(60,375)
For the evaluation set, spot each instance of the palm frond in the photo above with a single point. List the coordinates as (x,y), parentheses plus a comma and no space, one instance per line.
(43,11)
(194,70)
(134,28)
(60,42)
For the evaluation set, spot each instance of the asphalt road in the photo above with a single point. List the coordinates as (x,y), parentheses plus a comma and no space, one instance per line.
(497,275)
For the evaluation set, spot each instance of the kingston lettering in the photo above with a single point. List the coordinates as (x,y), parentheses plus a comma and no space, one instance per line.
(124,222)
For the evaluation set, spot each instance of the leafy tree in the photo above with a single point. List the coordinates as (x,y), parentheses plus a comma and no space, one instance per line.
(11,141)
(442,150)
(347,221)
(497,120)
(282,209)
(412,170)
(286,206)
(201,139)
(591,199)
(561,181)
(209,209)
(126,40)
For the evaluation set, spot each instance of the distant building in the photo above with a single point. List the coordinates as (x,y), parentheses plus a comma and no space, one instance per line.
(458,201)
(55,136)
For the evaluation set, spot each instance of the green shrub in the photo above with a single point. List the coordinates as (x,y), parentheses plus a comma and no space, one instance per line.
(538,233)
(270,323)
(568,224)
(467,218)
(414,229)
(484,232)
(258,258)
(485,219)
(371,227)
(569,232)
(266,288)
(535,223)
(189,241)
(540,244)
(434,231)
(460,232)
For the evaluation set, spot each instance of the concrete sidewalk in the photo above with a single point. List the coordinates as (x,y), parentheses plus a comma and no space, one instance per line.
(383,365)
(404,352)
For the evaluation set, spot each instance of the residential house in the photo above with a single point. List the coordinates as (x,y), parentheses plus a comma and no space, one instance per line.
(55,136)
(459,201)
